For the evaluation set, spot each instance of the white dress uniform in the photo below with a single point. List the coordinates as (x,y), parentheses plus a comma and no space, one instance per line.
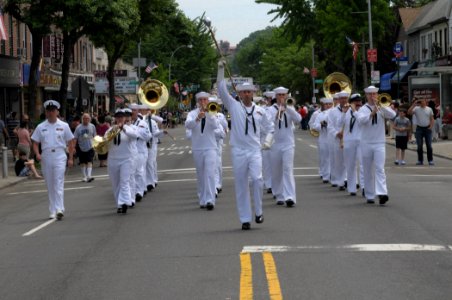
(335,121)
(311,126)
(151,163)
(266,156)
(120,161)
(54,138)
(352,151)
(282,154)
(204,149)
(220,135)
(246,155)
(323,145)
(373,149)
(144,135)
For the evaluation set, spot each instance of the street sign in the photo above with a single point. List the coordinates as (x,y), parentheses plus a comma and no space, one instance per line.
(403,58)
(314,72)
(375,77)
(372,55)
(318,81)
(139,62)
(398,50)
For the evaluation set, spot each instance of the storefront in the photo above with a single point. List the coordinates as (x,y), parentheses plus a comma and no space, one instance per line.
(10,96)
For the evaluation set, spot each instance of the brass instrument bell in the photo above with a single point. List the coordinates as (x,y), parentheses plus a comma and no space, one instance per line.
(153,93)
(336,82)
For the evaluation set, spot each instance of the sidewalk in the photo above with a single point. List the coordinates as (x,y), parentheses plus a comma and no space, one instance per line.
(441,148)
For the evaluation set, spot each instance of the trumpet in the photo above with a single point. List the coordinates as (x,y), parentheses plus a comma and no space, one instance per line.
(290,102)
(213,108)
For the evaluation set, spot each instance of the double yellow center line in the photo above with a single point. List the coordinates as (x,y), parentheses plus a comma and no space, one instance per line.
(246,277)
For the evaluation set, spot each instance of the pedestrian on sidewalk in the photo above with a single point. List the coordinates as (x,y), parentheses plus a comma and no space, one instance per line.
(25,167)
(402,129)
(84,134)
(425,122)
(54,136)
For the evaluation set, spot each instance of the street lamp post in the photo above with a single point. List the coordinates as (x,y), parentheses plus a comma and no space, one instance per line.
(371,43)
(171,59)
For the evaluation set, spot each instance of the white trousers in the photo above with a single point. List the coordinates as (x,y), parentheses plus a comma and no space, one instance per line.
(53,169)
(267,168)
(119,172)
(247,166)
(205,162)
(133,170)
(140,175)
(151,166)
(282,172)
(324,160)
(353,165)
(219,165)
(338,174)
(374,156)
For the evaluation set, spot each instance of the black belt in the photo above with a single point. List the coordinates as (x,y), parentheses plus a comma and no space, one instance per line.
(423,127)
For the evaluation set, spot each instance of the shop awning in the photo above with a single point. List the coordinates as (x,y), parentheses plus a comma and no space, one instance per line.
(403,72)
(385,81)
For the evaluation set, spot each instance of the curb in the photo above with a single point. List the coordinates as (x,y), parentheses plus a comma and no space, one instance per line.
(414,150)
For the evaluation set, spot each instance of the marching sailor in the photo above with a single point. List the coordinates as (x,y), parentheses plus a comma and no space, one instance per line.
(266,155)
(371,117)
(284,118)
(54,136)
(120,159)
(321,125)
(220,134)
(335,130)
(153,121)
(204,148)
(247,120)
(351,138)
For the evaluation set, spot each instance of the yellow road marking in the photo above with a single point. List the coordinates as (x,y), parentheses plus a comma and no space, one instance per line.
(246,277)
(272,276)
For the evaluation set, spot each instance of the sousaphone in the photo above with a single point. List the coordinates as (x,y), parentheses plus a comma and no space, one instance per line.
(336,82)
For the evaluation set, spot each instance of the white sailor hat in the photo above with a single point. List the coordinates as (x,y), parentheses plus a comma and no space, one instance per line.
(246,86)
(269,94)
(336,95)
(371,89)
(49,104)
(326,100)
(281,90)
(257,99)
(213,98)
(343,94)
(202,95)
(144,106)
(134,106)
(127,111)
(355,97)
(119,112)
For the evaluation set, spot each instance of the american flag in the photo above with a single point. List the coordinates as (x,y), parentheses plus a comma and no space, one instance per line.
(306,70)
(355,47)
(3,35)
(150,67)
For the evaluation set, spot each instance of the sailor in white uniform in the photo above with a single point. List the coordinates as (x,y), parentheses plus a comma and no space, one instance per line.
(321,125)
(153,121)
(220,135)
(266,153)
(144,135)
(371,118)
(335,131)
(352,151)
(284,118)
(120,160)
(54,136)
(247,120)
(204,148)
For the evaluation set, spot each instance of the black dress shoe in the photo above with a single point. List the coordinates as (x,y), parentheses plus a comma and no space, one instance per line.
(269,190)
(219,190)
(124,208)
(202,206)
(334,185)
(342,188)
(259,219)
(326,181)
(144,193)
(132,205)
(138,197)
(150,187)
(90,179)
(279,202)
(209,206)
(370,201)
(345,183)
(246,226)
(119,210)
(363,193)
(290,203)
(357,186)
(383,199)
(352,194)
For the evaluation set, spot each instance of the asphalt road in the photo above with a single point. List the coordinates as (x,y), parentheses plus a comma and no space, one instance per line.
(330,246)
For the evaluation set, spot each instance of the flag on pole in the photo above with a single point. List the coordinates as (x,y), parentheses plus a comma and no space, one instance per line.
(355,47)
(3,35)
(306,70)
(150,67)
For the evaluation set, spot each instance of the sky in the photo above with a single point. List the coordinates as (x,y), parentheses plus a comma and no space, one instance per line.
(233,20)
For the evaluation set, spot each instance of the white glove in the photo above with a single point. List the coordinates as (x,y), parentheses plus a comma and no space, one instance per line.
(220,73)
(268,141)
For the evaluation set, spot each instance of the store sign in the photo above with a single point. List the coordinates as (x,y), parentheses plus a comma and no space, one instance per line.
(9,72)
(123,85)
(429,94)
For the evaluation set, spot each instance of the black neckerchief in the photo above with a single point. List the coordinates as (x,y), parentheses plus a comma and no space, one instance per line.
(340,108)
(352,121)
(203,124)
(374,118)
(148,144)
(285,121)
(252,119)
(117,140)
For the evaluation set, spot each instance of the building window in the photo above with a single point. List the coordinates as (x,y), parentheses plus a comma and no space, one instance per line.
(446,45)
(11,42)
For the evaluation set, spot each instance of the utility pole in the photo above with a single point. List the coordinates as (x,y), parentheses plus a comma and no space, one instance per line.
(371,43)
(313,79)
(139,60)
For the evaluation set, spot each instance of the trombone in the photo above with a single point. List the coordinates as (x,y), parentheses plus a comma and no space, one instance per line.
(384,100)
